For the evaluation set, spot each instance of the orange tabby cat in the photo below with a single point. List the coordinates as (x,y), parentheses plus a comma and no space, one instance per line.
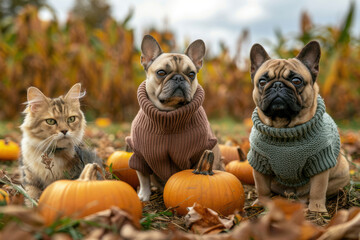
(51,149)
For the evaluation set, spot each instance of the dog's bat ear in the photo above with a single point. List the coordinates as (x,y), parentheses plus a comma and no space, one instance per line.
(196,52)
(310,57)
(258,56)
(150,50)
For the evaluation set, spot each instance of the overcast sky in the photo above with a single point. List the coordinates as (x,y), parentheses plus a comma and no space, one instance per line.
(223,20)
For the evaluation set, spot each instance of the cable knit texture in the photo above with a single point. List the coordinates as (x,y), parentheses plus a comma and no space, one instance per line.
(293,155)
(166,142)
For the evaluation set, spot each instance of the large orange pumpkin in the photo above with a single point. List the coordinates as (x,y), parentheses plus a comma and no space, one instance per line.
(119,160)
(4,196)
(241,169)
(218,190)
(9,150)
(86,195)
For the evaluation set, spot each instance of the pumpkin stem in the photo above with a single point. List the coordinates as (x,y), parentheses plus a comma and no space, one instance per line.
(205,164)
(90,172)
(241,154)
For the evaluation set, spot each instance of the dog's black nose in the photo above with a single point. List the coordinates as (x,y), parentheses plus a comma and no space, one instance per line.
(178,78)
(278,85)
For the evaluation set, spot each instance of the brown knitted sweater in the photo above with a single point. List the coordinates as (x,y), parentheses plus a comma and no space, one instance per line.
(167,142)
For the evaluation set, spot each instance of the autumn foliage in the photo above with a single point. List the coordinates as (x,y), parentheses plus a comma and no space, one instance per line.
(105,60)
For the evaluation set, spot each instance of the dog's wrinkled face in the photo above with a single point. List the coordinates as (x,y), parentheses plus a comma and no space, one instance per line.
(285,90)
(171,77)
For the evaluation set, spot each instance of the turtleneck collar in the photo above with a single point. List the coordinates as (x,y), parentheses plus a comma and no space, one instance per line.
(294,132)
(170,120)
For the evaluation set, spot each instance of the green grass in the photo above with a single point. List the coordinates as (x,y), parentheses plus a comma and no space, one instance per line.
(352,124)
(9,126)
(114,127)
(228,127)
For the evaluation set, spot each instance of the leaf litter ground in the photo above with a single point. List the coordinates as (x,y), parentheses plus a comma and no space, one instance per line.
(155,214)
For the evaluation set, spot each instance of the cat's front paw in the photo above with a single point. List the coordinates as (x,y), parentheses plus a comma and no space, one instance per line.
(144,194)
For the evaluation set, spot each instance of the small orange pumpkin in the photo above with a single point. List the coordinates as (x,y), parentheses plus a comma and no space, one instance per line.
(9,150)
(4,196)
(241,169)
(86,196)
(103,122)
(218,190)
(119,161)
(229,153)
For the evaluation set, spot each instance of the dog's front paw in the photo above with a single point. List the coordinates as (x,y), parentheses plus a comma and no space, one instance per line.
(260,201)
(317,206)
(256,203)
(144,194)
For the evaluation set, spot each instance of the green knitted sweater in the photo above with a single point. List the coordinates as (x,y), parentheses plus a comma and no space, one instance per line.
(293,155)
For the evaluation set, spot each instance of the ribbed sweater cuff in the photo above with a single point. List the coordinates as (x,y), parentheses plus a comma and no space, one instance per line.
(136,160)
(316,163)
(139,164)
(259,162)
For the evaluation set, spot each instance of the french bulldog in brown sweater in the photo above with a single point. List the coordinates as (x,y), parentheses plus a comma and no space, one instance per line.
(171,129)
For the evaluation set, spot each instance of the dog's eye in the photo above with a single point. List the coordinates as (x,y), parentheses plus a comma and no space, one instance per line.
(262,82)
(191,75)
(296,81)
(161,73)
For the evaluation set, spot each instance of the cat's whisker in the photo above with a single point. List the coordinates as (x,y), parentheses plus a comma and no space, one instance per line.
(74,143)
(76,140)
(39,149)
(87,142)
(51,145)
(42,143)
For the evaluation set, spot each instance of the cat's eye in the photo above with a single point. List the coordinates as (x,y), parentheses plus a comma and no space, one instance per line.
(192,75)
(71,119)
(50,121)
(161,73)
(262,82)
(296,81)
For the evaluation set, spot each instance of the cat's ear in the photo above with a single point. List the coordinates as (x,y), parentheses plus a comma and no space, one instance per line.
(75,93)
(35,99)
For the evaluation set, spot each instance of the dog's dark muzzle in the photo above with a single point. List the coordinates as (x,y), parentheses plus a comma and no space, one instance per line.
(177,88)
(280,101)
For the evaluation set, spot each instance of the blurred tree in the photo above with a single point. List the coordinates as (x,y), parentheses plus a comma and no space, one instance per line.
(92,12)
(12,7)
(306,27)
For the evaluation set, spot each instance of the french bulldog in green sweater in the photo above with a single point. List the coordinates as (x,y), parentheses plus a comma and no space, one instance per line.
(295,144)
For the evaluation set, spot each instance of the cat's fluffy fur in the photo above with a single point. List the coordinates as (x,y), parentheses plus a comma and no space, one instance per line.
(52,128)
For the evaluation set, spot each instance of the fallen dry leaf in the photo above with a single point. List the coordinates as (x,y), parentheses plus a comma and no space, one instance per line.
(285,220)
(114,217)
(14,231)
(344,225)
(29,223)
(61,236)
(25,215)
(206,221)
